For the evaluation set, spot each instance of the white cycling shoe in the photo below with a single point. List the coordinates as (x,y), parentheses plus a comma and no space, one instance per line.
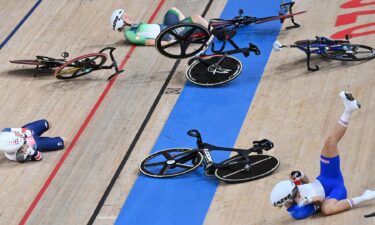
(350,103)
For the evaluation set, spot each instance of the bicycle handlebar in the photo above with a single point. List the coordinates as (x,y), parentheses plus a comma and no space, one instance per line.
(258,146)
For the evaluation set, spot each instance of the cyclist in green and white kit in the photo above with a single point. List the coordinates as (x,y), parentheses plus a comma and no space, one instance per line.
(144,33)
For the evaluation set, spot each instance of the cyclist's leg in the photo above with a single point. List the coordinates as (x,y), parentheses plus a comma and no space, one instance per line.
(173,16)
(38,127)
(333,206)
(199,20)
(330,145)
(331,176)
(49,143)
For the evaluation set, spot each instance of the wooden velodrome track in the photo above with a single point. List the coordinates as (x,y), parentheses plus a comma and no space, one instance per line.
(293,107)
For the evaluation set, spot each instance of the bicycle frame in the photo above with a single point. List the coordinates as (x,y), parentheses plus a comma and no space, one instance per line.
(226,36)
(319,47)
(205,149)
(286,11)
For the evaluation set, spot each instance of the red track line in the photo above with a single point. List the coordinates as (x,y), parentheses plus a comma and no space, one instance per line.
(69,149)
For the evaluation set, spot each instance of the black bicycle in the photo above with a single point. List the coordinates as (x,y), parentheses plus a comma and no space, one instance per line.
(187,40)
(77,67)
(341,50)
(190,38)
(241,167)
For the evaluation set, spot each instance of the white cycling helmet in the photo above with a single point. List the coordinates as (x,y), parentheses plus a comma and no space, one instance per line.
(10,142)
(116,19)
(283,191)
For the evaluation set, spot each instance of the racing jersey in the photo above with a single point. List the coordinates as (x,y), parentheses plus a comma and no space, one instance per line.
(139,33)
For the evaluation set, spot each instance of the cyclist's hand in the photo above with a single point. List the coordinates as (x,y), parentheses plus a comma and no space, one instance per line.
(296,177)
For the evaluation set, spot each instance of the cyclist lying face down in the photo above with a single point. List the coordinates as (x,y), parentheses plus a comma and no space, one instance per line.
(25,144)
(327,193)
(144,33)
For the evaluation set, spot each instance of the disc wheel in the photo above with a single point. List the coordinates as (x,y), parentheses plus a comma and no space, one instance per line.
(184,40)
(351,52)
(238,171)
(171,162)
(80,66)
(211,72)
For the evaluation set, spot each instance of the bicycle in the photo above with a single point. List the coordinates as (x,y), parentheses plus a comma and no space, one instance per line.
(239,168)
(73,68)
(341,50)
(193,40)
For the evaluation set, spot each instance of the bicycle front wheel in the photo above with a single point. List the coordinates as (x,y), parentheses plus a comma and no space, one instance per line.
(171,162)
(182,40)
(350,52)
(238,171)
(80,66)
(214,70)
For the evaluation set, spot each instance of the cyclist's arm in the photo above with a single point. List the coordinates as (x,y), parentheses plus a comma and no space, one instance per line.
(132,36)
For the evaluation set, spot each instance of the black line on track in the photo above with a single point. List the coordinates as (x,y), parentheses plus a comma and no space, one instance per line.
(138,135)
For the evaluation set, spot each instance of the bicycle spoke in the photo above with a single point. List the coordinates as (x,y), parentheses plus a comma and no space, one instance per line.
(169,45)
(154,164)
(184,166)
(184,158)
(164,169)
(351,55)
(199,40)
(167,155)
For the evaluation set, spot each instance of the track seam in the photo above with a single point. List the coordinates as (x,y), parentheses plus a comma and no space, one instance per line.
(138,135)
(81,129)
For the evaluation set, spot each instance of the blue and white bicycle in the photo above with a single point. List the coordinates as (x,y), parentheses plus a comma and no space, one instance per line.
(341,50)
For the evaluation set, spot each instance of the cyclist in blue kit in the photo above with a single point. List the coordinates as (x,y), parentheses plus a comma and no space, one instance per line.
(327,192)
(26,144)
(144,33)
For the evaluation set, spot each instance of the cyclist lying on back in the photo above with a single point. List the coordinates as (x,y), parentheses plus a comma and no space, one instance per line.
(144,33)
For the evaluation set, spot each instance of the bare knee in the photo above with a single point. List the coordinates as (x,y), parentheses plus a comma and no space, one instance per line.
(328,210)
(174,9)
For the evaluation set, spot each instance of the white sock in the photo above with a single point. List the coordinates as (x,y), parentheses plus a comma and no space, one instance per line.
(367,195)
(344,119)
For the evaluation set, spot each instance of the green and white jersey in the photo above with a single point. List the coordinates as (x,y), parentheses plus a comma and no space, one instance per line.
(139,33)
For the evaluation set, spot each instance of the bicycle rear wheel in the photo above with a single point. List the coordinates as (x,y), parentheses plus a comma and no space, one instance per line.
(238,171)
(80,66)
(200,73)
(184,40)
(354,52)
(171,162)
(42,63)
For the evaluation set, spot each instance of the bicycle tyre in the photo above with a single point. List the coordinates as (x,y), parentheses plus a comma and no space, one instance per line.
(344,56)
(191,39)
(171,162)
(201,74)
(261,166)
(72,68)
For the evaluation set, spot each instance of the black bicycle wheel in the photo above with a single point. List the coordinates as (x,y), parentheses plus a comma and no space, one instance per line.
(200,73)
(238,171)
(171,162)
(80,66)
(351,52)
(184,40)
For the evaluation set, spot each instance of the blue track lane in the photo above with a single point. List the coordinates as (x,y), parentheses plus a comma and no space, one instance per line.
(218,113)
